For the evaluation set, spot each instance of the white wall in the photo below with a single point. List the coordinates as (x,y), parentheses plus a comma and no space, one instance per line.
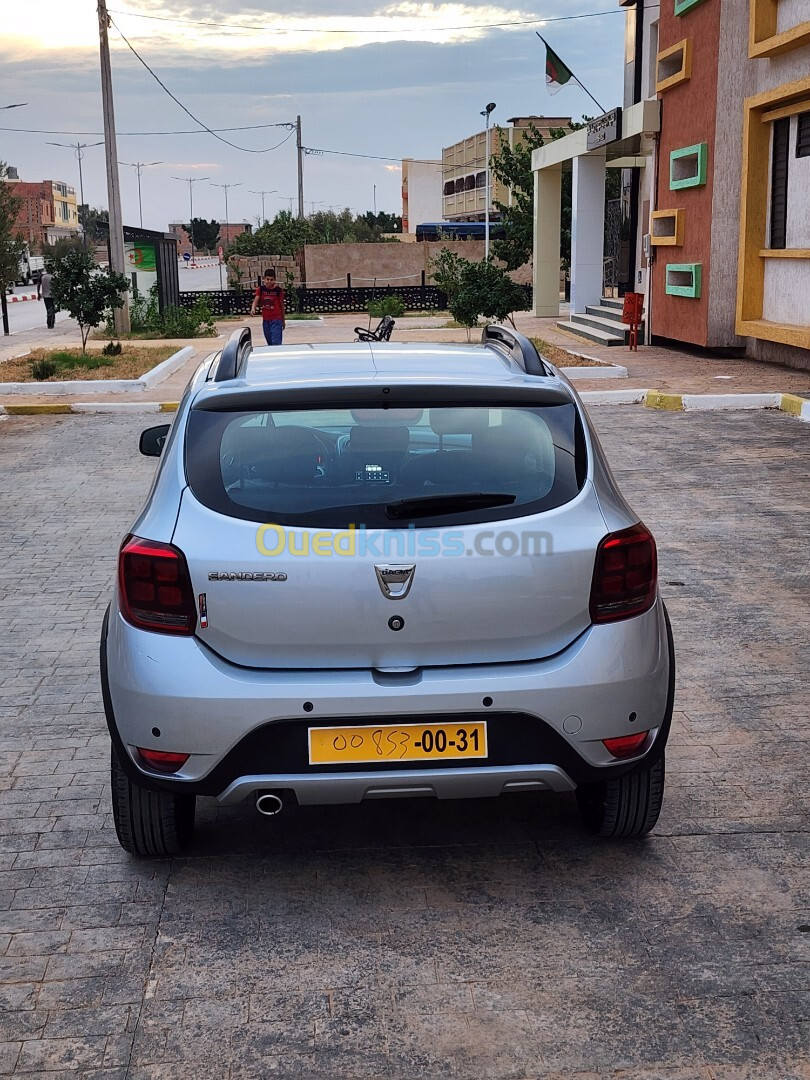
(798,198)
(424,194)
(787,287)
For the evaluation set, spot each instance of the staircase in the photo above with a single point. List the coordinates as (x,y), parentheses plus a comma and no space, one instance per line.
(602,324)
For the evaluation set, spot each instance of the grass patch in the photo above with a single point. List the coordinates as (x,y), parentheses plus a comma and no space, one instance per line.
(56,365)
(561,357)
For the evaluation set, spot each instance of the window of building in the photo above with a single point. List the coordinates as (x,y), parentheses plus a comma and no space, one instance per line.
(779,182)
(803,135)
(449,187)
(481,180)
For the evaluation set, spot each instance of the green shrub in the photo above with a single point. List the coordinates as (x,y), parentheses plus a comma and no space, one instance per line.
(43,369)
(147,319)
(113,349)
(386,305)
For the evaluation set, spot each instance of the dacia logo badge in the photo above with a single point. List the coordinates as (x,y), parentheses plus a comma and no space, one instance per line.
(395,581)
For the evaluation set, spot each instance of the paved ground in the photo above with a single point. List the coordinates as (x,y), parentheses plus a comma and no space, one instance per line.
(419,940)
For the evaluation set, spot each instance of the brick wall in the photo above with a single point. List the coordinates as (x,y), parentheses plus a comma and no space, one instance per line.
(391,264)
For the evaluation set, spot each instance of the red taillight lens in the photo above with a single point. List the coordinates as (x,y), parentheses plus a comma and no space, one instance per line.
(161,761)
(625,575)
(626,745)
(155,588)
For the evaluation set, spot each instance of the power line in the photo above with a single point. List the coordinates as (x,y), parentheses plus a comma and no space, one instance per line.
(311,150)
(188,112)
(404,30)
(185,131)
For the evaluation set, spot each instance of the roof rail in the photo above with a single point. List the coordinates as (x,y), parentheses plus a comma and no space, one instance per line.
(234,356)
(517,346)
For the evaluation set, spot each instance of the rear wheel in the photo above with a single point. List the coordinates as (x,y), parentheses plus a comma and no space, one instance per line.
(627,806)
(149,822)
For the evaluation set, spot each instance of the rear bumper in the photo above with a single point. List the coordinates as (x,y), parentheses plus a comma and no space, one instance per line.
(230,719)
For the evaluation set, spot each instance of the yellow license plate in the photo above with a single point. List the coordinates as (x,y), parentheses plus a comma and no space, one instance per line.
(396,742)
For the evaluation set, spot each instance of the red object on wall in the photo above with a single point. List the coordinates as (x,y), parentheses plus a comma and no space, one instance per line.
(633,308)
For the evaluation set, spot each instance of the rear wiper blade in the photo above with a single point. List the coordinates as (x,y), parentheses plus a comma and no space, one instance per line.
(426,505)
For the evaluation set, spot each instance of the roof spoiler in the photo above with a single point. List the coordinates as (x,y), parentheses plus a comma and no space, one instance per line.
(517,346)
(234,356)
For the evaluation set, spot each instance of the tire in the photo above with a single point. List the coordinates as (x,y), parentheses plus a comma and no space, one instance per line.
(625,807)
(149,823)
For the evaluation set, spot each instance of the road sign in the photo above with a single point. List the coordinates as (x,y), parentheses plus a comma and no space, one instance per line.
(186,256)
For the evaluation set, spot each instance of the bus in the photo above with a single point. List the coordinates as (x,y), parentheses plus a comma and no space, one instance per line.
(459,230)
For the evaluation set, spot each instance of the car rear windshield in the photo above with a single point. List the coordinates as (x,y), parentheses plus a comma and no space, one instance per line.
(331,468)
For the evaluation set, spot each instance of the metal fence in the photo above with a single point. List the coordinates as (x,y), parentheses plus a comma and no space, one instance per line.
(306,301)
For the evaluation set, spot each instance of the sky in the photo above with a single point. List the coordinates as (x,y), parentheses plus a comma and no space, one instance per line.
(400,79)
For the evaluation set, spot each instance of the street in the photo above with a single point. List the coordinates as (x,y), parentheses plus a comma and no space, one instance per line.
(419,939)
(28,314)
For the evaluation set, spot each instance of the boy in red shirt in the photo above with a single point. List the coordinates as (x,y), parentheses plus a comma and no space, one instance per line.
(270,297)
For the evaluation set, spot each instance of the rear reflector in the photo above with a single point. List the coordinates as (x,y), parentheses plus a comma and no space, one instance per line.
(624,576)
(155,588)
(161,761)
(626,745)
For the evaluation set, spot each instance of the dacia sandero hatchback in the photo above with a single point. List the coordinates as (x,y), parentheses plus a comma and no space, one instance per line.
(377,570)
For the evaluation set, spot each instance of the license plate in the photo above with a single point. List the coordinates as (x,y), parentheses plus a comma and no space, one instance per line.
(396,742)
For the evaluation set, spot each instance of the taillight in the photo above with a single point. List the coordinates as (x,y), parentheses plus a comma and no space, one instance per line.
(155,588)
(162,760)
(626,745)
(625,575)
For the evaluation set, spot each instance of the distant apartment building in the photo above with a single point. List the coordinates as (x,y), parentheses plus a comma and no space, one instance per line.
(421,193)
(228,231)
(464,166)
(48,210)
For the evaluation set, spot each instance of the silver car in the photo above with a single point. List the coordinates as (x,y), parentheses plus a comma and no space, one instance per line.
(378,570)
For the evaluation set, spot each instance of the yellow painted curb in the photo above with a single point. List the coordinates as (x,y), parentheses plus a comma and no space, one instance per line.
(792,403)
(657,400)
(34,410)
(169,406)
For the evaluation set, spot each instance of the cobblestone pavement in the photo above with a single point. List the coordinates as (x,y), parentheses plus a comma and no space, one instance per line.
(403,940)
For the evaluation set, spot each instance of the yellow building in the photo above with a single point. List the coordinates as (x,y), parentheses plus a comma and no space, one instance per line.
(464,166)
(65,210)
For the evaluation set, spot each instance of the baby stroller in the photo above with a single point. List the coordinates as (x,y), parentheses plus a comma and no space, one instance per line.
(383,331)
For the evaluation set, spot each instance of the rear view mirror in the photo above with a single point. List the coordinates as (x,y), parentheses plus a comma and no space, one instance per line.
(153,440)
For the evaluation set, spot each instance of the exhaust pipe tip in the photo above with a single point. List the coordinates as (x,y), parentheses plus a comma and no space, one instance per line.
(269,805)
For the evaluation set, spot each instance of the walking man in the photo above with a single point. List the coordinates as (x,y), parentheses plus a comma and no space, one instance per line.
(44,292)
(270,298)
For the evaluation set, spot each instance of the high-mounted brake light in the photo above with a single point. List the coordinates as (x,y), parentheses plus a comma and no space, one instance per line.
(155,587)
(624,576)
(626,745)
(162,760)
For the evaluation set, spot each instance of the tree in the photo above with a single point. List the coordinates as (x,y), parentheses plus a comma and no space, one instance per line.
(85,291)
(12,245)
(95,223)
(486,289)
(445,272)
(206,233)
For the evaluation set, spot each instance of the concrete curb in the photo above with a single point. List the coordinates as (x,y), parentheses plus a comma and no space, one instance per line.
(148,381)
(612,371)
(654,399)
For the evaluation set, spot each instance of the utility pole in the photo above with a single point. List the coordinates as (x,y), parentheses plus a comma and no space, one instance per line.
(300,168)
(487,112)
(263,193)
(78,149)
(139,166)
(191,181)
(117,256)
(225,189)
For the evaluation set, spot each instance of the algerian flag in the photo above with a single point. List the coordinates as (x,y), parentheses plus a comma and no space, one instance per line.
(557,74)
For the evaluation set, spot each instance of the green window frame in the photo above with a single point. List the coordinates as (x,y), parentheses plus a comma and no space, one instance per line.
(682,6)
(690,290)
(700,151)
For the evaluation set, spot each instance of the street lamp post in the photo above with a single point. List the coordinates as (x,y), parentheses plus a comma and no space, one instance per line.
(139,166)
(263,193)
(225,188)
(191,181)
(487,112)
(78,149)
